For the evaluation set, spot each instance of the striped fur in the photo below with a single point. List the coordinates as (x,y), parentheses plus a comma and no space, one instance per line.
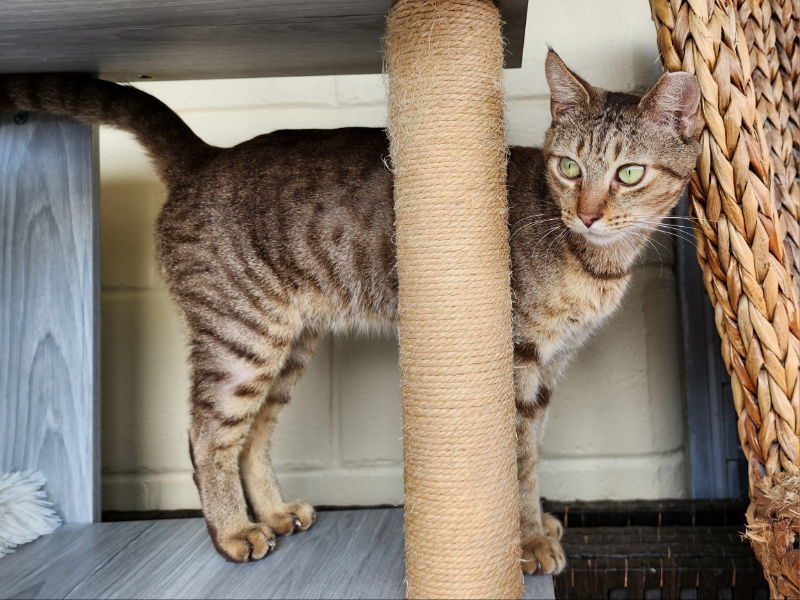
(269,244)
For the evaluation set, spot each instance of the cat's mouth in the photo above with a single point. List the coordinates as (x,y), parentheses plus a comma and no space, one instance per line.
(598,234)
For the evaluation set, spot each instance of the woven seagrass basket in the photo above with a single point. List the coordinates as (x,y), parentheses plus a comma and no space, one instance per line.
(745,201)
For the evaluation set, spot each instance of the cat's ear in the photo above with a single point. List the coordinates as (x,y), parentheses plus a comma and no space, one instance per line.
(675,100)
(568,92)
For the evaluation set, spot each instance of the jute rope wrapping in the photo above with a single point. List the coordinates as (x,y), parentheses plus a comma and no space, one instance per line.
(446,124)
(743,251)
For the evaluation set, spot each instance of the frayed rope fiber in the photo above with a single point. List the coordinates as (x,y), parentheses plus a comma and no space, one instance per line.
(25,512)
(444,62)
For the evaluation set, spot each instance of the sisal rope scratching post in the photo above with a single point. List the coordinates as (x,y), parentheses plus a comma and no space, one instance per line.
(444,60)
(744,196)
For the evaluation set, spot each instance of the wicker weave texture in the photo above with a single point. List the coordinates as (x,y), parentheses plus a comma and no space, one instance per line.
(763,23)
(745,200)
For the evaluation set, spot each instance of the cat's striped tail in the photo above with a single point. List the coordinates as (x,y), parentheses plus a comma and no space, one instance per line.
(174,147)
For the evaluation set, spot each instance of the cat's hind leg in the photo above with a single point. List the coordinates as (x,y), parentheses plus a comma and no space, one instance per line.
(258,476)
(231,378)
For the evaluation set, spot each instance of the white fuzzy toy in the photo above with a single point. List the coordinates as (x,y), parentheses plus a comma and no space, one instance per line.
(25,512)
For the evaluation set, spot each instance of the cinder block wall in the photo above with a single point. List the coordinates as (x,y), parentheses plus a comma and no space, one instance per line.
(615,429)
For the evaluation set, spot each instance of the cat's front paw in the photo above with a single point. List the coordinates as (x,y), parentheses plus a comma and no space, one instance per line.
(293,516)
(542,555)
(552,526)
(252,542)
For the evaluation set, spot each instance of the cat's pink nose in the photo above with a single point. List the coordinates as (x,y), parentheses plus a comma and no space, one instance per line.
(589,218)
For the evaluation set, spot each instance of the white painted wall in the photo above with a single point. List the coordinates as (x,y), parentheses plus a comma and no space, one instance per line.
(616,424)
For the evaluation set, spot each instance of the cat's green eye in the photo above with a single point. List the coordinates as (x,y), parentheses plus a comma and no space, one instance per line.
(569,168)
(630,174)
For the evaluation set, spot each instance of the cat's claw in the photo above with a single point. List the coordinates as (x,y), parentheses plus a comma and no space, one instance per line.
(542,555)
(294,516)
(304,514)
(253,542)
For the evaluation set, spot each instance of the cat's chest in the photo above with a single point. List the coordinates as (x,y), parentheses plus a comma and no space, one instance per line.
(564,313)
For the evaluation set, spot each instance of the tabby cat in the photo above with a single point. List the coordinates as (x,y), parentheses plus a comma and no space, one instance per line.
(271,243)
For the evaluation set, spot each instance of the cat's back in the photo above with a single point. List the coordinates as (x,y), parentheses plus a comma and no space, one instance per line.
(283,169)
(341,139)
(315,154)
(312,209)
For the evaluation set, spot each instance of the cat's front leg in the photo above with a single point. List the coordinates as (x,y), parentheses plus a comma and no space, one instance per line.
(540,533)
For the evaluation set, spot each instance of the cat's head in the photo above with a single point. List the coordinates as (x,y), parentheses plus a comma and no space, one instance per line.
(617,163)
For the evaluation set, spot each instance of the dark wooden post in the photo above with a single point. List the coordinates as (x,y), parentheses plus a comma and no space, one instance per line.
(49,307)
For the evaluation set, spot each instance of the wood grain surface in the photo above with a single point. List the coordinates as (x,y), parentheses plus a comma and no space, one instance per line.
(48,307)
(347,554)
(124,40)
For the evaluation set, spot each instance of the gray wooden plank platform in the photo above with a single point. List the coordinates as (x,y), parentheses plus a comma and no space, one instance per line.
(347,554)
(207,39)
(48,307)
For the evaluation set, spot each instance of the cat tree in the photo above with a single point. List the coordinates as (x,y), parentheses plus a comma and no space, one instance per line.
(444,61)
(747,203)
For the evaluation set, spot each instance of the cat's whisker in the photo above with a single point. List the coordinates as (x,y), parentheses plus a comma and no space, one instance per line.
(529,225)
(547,233)
(649,238)
(555,240)
(534,216)
(687,218)
(655,241)
(661,220)
(656,250)
(641,256)
(531,219)
(678,235)
(671,226)
(686,233)
(531,215)
(536,219)
(652,229)
(666,229)
(658,222)
(650,241)
(689,231)
(554,227)
(631,246)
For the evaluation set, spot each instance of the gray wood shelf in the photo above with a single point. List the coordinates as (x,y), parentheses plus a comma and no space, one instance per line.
(125,40)
(347,554)
(48,307)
